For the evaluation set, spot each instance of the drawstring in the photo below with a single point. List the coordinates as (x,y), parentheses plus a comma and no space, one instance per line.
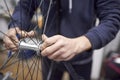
(70,6)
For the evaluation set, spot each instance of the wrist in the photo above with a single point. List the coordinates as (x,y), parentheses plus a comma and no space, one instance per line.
(83,44)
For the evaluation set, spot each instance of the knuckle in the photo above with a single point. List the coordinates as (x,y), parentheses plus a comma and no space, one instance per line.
(10,41)
(47,42)
(4,40)
(64,56)
(61,43)
(58,37)
(14,49)
(62,50)
(12,46)
(47,52)
(43,46)
(10,35)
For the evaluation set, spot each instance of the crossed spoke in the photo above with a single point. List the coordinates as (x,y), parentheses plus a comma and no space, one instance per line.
(29,68)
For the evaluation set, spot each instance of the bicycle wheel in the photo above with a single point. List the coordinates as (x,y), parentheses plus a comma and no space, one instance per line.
(25,64)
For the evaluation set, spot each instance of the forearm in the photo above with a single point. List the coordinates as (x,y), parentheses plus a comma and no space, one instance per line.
(108,12)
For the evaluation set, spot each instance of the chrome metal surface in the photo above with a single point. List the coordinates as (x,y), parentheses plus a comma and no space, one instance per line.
(29,44)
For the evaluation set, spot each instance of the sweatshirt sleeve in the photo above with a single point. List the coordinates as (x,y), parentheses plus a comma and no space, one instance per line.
(108,12)
(23,13)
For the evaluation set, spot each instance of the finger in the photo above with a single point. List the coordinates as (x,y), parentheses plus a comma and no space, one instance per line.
(58,59)
(44,37)
(61,55)
(9,42)
(27,34)
(31,33)
(45,43)
(13,49)
(17,29)
(65,56)
(69,58)
(11,39)
(10,46)
(14,38)
(49,51)
(22,33)
(48,41)
(11,35)
(56,55)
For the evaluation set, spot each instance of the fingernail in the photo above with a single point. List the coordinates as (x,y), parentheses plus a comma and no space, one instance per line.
(44,37)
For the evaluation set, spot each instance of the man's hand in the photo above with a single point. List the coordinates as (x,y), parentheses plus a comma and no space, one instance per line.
(11,40)
(60,48)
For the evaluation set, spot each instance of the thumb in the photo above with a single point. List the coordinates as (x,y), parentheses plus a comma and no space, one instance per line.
(18,30)
(44,37)
(31,33)
(21,33)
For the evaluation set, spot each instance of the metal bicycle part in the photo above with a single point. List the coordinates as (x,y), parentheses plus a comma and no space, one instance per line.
(25,64)
(28,44)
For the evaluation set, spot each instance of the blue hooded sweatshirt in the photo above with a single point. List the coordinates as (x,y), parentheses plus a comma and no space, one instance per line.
(74,18)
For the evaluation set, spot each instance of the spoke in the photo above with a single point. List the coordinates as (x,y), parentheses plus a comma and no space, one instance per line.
(40,3)
(52,21)
(34,62)
(3,50)
(13,61)
(21,71)
(22,66)
(36,20)
(33,68)
(48,12)
(9,58)
(6,61)
(28,67)
(21,25)
(37,68)
(13,19)
(17,68)
(7,35)
(37,15)
(5,11)
(36,36)
(10,14)
(29,71)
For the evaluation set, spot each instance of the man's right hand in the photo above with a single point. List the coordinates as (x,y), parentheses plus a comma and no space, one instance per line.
(10,39)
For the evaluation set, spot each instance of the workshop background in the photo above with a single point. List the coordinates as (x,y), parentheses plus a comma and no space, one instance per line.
(101,57)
